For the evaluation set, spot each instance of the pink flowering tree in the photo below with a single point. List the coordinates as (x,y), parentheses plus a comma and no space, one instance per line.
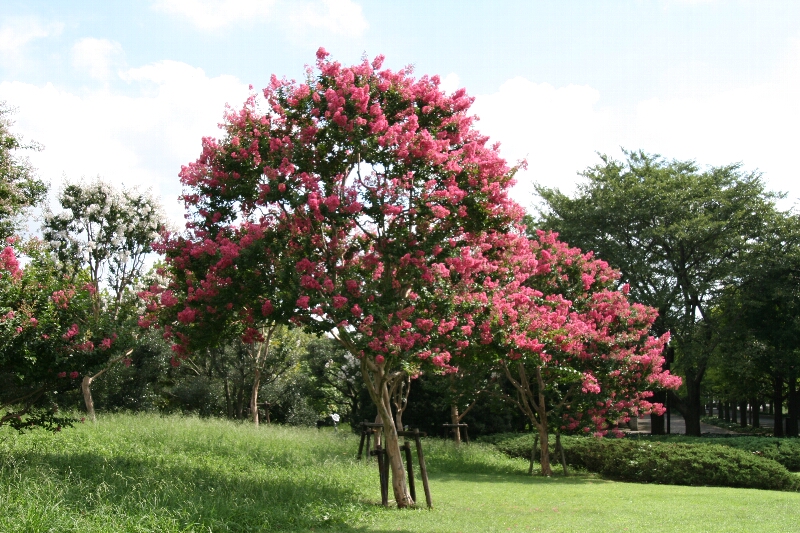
(48,337)
(577,352)
(335,204)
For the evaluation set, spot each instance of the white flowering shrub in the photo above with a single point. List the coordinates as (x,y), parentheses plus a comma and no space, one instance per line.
(106,231)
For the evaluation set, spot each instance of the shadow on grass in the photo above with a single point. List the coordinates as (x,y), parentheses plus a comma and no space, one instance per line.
(204,497)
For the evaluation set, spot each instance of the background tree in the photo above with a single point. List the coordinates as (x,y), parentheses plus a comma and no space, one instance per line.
(20,189)
(107,234)
(677,234)
(338,385)
(337,207)
(764,307)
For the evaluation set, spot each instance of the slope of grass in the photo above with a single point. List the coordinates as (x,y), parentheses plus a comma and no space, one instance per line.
(146,473)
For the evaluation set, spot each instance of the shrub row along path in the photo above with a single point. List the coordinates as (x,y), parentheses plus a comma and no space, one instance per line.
(678,426)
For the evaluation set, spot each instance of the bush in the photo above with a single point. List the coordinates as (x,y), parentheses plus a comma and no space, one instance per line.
(672,463)
(783,451)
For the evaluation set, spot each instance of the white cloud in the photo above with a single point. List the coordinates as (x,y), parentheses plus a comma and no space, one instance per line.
(136,140)
(98,57)
(450,83)
(340,17)
(213,14)
(17,32)
(557,130)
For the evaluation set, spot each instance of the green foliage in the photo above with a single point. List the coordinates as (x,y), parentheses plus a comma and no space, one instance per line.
(48,339)
(338,386)
(19,186)
(685,462)
(678,234)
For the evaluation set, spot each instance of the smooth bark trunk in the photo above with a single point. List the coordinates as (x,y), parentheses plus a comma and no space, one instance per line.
(86,388)
(377,386)
(454,420)
(254,396)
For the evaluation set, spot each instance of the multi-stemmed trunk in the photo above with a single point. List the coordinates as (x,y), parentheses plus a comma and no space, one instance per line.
(378,382)
(531,400)
(400,389)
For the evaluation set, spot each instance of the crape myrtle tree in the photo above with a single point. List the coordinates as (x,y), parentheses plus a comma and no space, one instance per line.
(106,234)
(335,204)
(577,352)
(48,337)
(678,235)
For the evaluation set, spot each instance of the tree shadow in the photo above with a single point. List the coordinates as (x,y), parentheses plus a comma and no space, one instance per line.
(205,497)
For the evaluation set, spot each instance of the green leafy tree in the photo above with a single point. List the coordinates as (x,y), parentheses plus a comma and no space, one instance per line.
(678,234)
(338,385)
(19,186)
(765,307)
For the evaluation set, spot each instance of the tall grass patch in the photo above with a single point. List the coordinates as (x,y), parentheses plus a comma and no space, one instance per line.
(180,474)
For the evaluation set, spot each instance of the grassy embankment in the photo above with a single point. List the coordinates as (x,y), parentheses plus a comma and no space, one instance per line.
(146,473)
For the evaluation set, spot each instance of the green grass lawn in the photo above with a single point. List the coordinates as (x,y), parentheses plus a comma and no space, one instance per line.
(147,473)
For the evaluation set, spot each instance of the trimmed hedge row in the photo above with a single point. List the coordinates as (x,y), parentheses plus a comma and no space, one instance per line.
(783,451)
(673,463)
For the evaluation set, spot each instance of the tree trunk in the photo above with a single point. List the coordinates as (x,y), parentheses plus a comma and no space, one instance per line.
(454,420)
(563,459)
(658,422)
(792,401)
(720,410)
(86,388)
(756,406)
(727,416)
(86,385)
(254,396)
(544,451)
(777,401)
(228,404)
(693,407)
(377,386)
(240,402)
(743,414)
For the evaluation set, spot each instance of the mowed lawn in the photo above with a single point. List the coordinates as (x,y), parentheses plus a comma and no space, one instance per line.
(171,474)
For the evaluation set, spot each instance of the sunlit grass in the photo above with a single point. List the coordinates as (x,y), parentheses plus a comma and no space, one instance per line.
(146,473)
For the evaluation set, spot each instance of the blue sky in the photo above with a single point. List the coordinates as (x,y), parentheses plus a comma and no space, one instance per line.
(126,89)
